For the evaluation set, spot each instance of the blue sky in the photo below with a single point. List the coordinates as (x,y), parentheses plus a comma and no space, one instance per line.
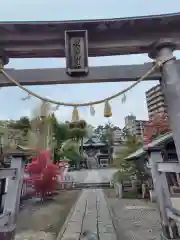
(19,10)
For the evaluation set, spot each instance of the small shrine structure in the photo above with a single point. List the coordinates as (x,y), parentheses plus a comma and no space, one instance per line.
(96,152)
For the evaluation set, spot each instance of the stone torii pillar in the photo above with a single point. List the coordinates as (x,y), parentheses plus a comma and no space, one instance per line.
(12,200)
(170,82)
(155,156)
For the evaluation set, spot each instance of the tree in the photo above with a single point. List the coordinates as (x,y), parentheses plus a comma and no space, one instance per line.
(60,131)
(70,150)
(22,124)
(43,174)
(107,137)
(105,132)
(156,126)
(68,134)
(60,135)
(131,144)
(99,130)
(125,132)
(77,131)
(72,156)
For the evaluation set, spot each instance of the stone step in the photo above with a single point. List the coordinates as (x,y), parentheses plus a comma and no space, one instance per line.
(92,185)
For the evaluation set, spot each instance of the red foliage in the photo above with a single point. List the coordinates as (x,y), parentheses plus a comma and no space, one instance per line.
(156,126)
(34,168)
(43,174)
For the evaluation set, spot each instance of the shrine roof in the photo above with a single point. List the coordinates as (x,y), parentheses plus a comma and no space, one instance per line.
(156,142)
(100,144)
(106,36)
(93,142)
(19,151)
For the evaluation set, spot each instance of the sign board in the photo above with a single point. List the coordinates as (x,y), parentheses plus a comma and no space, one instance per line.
(76,49)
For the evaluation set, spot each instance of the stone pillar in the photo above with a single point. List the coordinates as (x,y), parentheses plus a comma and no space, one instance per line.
(178,178)
(12,201)
(162,193)
(13,195)
(154,157)
(171,85)
(8,233)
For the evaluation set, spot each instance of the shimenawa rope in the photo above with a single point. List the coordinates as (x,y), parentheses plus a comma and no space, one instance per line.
(158,64)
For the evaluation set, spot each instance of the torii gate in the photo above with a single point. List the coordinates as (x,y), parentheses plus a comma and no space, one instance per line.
(156,35)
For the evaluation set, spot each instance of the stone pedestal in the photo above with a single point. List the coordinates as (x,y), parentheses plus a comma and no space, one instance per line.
(152,195)
(119,190)
(7,233)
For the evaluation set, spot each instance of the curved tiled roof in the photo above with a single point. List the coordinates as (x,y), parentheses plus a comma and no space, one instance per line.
(156,142)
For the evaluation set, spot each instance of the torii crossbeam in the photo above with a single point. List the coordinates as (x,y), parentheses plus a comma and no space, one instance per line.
(96,75)
(106,37)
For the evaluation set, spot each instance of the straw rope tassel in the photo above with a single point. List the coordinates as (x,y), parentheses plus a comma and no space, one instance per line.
(107,109)
(75,115)
(26,98)
(123,100)
(92,110)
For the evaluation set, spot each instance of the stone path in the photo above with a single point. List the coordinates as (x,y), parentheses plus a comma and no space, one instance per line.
(91,213)
(93,176)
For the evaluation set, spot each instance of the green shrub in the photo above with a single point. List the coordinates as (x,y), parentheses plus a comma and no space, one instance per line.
(121,176)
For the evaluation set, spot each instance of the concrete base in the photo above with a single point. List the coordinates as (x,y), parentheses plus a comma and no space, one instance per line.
(119,190)
(152,195)
(7,233)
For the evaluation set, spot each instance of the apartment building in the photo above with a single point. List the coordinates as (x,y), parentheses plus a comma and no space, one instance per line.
(129,121)
(134,126)
(138,127)
(155,101)
(10,136)
(117,135)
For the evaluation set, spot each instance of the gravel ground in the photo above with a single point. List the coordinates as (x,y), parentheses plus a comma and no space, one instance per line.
(134,219)
(38,221)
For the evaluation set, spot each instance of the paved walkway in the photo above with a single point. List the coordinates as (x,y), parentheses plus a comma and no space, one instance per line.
(91,213)
(134,219)
(92,175)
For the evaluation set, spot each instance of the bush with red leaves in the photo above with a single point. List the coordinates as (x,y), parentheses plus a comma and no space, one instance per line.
(43,174)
